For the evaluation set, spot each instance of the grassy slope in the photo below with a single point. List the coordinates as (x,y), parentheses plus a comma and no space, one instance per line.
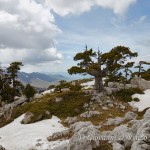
(71,105)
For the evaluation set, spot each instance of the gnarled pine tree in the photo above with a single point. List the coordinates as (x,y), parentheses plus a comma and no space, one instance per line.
(87,65)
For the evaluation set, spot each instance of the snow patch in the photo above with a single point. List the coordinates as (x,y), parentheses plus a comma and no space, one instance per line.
(88,85)
(17,136)
(48,91)
(144,100)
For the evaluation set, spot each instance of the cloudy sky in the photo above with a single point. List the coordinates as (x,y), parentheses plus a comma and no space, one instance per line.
(46,34)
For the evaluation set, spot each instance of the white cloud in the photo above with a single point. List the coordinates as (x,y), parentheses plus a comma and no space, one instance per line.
(65,7)
(29,56)
(27,32)
(28,28)
(7,18)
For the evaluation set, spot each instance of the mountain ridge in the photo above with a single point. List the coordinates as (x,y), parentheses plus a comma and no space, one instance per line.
(40,80)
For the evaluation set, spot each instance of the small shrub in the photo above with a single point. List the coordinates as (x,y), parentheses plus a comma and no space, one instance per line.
(141,113)
(51,87)
(126,94)
(136,99)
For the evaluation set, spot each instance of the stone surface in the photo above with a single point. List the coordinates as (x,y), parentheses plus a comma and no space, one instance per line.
(58,99)
(84,139)
(130,116)
(108,90)
(118,146)
(143,137)
(89,114)
(65,89)
(115,121)
(27,118)
(123,135)
(147,115)
(141,83)
(85,105)
(71,120)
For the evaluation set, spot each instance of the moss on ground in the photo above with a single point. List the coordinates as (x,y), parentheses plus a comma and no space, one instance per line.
(71,105)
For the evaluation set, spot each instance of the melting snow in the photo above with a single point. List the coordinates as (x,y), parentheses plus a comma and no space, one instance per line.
(144,100)
(17,136)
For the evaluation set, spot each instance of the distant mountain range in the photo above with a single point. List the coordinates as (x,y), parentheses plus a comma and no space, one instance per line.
(43,80)
(40,80)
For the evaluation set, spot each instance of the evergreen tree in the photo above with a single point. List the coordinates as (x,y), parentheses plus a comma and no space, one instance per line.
(115,61)
(29,91)
(146,74)
(12,71)
(128,71)
(140,68)
(107,64)
(87,65)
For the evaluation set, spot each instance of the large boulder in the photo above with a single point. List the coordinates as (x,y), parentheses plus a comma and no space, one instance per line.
(84,139)
(141,83)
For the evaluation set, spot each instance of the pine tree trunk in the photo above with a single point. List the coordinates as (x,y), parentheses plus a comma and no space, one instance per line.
(98,84)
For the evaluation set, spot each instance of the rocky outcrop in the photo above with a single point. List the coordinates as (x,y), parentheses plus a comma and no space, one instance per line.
(82,136)
(102,99)
(6,109)
(141,83)
(135,138)
(142,136)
